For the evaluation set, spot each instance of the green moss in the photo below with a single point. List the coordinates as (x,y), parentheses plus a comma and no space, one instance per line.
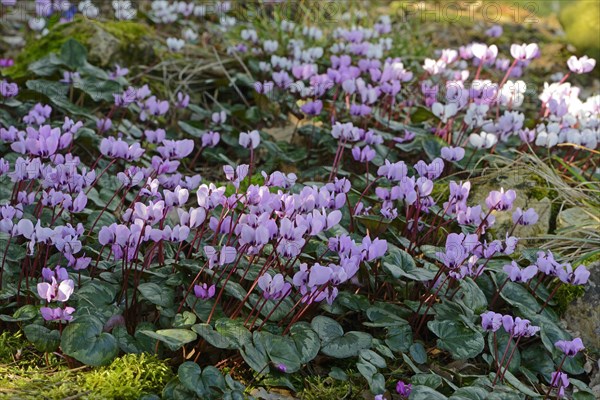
(37,49)
(129,377)
(567,294)
(317,388)
(127,33)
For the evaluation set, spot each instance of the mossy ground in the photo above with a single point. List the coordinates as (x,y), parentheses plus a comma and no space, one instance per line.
(83,30)
(26,374)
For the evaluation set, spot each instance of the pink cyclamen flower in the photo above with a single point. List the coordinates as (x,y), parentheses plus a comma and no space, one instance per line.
(516,274)
(561,381)
(204,292)
(274,288)
(524,51)
(570,347)
(495,31)
(249,140)
(579,276)
(501,200)
(312,108)
(55,291)
(581,65)
(528,217)
(453,153)
(491,321)
(403,389)
(57,314)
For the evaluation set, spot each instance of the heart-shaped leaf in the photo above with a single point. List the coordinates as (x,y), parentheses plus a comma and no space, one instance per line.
(158,295)
(43,339)
(327,328)
(400,264)
(213,337)
(73,54)
(348,345)
(84,340)
(460,341)
(306,340)
(173,338)
(282,351)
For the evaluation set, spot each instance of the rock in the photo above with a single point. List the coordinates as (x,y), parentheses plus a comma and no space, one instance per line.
(527,189)
(583,316)
(580,22)
(107,42)
(102,47)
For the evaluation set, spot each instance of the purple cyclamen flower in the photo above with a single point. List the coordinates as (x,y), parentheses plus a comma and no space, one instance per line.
(430,171)
(365,154)
(495,31)
(57,314)
(501,200)
(453,153)
(561,381)
(264,87)
(203,291)
(373,249)
(219,117)
(249,140)
(312,107)
(210,139)
(104,124)
(282,367)
(403,389)
(570,347)
(118,72)
(519,327)
(55,291)
(491,321)
(274,288)
(581,65)
(579,276)
(183,100)
(516,274)
(7,62)
(8,89)
(528,217)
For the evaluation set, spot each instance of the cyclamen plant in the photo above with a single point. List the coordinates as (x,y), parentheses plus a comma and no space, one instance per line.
(130,249)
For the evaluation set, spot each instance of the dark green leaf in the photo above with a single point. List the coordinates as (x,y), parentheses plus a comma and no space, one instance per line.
(306,340)
(158,295)
(84,340)
(211,336)
(401,265)
(73,54)
(460,341)
(43,339)
(173,338)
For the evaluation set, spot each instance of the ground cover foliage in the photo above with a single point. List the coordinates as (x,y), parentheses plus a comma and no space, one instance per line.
(259,199)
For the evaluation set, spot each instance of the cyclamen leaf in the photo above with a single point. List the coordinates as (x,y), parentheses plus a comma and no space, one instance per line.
(43,339)
(173,338)
(306,340)
(73,54)
(84,340)
(460,341)
(156,294)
